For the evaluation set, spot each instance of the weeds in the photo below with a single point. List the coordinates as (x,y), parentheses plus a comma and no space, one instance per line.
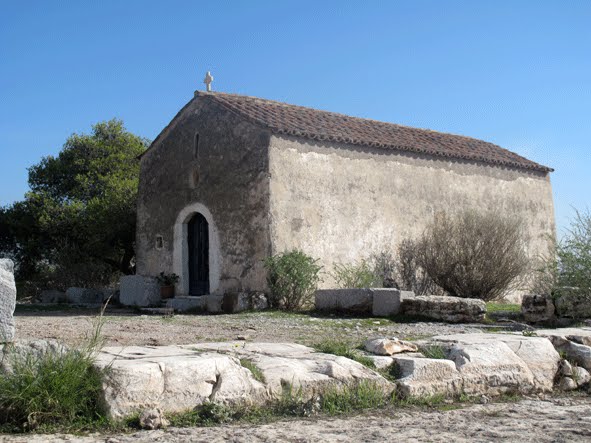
(362,395)
(492,307)
(54,388)
(254,369)
(344,349)
(434,351)
(356,275)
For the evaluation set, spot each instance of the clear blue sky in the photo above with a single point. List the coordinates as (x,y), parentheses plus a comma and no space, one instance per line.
(517,73)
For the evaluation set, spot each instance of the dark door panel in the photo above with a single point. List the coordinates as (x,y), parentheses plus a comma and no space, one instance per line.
(198,238)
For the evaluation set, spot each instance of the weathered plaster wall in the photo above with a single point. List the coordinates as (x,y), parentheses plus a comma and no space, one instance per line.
(228,177)
(342,203)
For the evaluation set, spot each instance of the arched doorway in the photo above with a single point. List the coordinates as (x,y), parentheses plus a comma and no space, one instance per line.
(198,248)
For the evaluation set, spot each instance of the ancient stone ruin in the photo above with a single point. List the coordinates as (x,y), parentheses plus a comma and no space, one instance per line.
(7,300)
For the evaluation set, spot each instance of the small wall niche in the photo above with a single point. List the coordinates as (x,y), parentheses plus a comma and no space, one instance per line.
(194,178)
(159,242)
(196,147)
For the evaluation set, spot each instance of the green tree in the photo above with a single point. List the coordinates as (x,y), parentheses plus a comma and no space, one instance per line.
(574,254)
(77,222)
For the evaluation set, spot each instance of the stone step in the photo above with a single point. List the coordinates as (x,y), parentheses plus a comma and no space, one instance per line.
(157,311)
(184,303)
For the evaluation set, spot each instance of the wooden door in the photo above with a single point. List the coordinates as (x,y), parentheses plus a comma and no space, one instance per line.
(198,237)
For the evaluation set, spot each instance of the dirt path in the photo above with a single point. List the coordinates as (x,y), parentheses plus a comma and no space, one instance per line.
(124,327)
(556,420)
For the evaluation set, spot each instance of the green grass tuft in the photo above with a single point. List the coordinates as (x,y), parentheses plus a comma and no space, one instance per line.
(492,307)
(434,351)
(254,369)
(42,391)
(344,349)
(352,397)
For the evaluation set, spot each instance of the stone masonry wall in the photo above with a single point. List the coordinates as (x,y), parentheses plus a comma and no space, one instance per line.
(341,203)
(228,176)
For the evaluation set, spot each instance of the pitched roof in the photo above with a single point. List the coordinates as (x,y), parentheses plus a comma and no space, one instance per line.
(298,121)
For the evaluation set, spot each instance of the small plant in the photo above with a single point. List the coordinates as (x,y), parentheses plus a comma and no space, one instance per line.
(292,402)
(351,397)
(293,278)
(434,351)
(529,333)
(385,269)
(55,388)
(344,349)
(254,369)
(167,279)
(208,414)
(356,275)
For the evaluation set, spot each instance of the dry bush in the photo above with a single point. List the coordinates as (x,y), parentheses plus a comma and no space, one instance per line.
(411,276)
(402,270)
(474,255)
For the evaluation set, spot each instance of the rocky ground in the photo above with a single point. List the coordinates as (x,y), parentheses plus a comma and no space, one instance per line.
(125,327)
(551,420)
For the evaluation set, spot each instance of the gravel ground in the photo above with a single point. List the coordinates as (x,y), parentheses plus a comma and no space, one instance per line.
(124,327)
(554,420)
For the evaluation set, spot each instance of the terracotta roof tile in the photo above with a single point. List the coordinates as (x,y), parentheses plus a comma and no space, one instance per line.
(282,118)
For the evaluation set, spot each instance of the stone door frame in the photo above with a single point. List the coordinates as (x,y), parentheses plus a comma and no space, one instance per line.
(180,263)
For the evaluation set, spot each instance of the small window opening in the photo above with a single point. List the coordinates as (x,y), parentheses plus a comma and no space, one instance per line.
(196,147)
(195,177)
(159,242)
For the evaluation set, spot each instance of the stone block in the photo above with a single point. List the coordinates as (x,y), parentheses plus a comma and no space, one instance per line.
(426,377)
(7,300)
(354,301)
(53,296)
(213,303)
(244,301)
(84,296)
(448,309)
(186,303)
(139,290)
(537,308)
(537,353)
(386,302)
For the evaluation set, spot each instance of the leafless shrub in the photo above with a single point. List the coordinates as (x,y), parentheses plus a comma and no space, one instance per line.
(473,254)
(402,270)
(410,274)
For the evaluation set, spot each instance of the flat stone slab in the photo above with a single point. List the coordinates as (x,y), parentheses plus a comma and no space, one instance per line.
(179,378)
(448,309)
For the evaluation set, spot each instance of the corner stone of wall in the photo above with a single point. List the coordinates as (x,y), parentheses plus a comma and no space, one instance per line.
(139,290)
(7,301)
